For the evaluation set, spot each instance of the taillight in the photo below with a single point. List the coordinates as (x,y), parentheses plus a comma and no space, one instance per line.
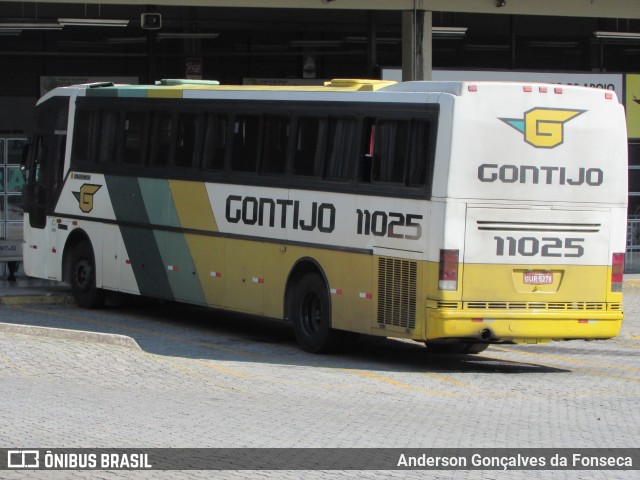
(448,272)
(617,272)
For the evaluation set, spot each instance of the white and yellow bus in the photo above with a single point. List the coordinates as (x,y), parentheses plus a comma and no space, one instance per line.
(457,214)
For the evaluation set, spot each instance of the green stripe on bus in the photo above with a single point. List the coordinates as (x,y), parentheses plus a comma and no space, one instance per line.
(158,202)
(126,198)
(102,92)
(147,263)
(180,269)
(142,248)
(133,91)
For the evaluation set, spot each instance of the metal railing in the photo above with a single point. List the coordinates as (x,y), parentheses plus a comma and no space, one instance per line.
(632,255)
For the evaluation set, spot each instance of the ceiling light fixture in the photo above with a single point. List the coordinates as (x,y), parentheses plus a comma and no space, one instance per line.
(186,35)
(553,44)
(126,40)
(618,35)
(93,22)
(379,40)
(316,43)
(30,26)
(448,32)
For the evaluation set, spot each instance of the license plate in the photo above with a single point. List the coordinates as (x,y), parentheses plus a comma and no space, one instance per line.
(538,278)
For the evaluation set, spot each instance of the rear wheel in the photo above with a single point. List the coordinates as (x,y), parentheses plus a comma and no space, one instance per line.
(310,311)
(83,277)
(455,347)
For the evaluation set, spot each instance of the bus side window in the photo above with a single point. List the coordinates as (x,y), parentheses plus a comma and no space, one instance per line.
(82,137)
(215,141)
(106,138)
(134,134)
(366,155)
(189,128)
(306,157)
(389,151)
(159,143)
(420,156)
(275,144)
(340,151)
(246,139)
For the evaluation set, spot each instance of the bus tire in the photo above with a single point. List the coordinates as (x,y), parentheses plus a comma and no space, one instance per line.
(310,312)
(83,277)
(452,348)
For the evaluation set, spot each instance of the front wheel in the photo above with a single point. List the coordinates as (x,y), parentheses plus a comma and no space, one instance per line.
(83,277)
(310,311)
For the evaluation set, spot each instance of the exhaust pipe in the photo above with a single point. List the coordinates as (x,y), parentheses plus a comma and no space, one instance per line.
(486,334)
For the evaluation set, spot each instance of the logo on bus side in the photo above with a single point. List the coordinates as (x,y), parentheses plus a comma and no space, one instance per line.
(85,196)
(543,127)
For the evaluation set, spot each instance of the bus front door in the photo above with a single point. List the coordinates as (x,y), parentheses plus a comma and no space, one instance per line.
(44,181)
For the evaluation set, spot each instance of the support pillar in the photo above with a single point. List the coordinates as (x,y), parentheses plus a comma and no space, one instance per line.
(417,45)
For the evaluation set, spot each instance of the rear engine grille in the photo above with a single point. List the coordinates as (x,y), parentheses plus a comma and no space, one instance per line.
(537,306)
(397,284)
(450,305)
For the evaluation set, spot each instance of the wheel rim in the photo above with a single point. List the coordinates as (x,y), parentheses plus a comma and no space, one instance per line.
(311,313)
(83,274)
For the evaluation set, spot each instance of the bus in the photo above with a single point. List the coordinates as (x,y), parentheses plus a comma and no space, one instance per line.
(458,214)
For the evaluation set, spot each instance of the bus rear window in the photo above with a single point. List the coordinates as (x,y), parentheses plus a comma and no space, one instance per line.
(390,142)
(397,151)
(420,154)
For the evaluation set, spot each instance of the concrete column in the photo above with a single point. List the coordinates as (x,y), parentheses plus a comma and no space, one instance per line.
(372,52)
(417,45)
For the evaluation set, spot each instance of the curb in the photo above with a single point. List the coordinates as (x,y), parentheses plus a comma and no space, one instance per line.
(65,334)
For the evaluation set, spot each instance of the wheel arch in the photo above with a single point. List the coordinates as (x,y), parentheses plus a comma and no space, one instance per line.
(75,237)
(302,267)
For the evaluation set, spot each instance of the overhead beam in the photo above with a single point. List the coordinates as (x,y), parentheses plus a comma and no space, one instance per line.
(570,8)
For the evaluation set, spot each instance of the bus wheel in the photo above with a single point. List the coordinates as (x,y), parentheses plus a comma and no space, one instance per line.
(83,277)
(445,347)
(311,315)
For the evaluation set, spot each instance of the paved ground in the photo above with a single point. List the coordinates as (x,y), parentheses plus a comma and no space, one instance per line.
(202,379)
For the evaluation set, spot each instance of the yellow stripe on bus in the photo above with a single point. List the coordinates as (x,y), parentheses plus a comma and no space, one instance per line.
(193,205)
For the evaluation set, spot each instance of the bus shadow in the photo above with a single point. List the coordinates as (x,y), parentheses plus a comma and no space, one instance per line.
(203,334)
(174,330)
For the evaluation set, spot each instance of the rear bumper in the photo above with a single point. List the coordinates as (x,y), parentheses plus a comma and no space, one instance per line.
(522,327)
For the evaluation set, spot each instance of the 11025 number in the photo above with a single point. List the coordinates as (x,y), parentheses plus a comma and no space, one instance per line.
(546,247)
(392,224)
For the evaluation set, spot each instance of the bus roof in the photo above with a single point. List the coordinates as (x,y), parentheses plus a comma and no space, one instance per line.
(171,86)
(175,88)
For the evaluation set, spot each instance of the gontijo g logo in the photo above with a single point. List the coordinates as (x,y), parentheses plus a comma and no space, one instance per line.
(85,196)
(543,127)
